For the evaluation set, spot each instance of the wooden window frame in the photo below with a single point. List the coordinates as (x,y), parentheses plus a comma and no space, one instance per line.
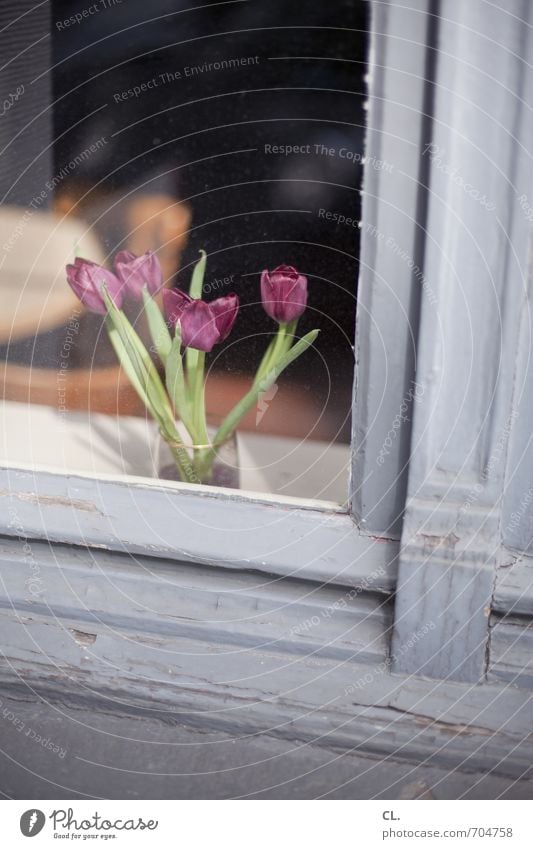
(291,536)
(453,558)
(102,620)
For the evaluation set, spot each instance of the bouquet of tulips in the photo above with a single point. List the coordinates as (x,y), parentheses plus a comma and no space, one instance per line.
(182,334)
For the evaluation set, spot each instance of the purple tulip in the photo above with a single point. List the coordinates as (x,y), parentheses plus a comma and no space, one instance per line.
(283,293)
(86,279)
(202,325)
(135,272)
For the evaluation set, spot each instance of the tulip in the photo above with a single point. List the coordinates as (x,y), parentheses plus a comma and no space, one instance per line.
(202,325)
(283,293)
(86,279)
(135,272)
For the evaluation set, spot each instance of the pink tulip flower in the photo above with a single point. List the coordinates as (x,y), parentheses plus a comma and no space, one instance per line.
(202,324)
(86,279)
(283,293)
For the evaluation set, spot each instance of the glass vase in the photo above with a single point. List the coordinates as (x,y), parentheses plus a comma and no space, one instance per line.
(209,464)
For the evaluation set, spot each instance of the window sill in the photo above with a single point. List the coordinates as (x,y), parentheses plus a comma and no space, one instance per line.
(270,532)
(39,437)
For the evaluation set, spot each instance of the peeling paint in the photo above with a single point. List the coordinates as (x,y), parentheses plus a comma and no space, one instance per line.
(82,638)
(53,501)
(433,541)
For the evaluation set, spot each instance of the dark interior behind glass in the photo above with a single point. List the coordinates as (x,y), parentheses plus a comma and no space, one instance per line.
(236,127)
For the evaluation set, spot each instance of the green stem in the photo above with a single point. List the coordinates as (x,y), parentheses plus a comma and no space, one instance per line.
(181,459)
(203,461)
(263,365)
(200,434)
(290,331)
(198,401)
(271,354)
(262,385)
(277,348)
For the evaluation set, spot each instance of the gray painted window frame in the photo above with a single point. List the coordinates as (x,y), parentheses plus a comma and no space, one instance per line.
(99,634)
(130,629)
(455,569)
(442,551)
(285,536)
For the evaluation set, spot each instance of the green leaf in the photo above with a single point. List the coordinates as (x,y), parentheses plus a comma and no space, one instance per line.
(198,275)
(192,356)
(157,325)
(157,401)
(152,391)
(125,361)
(141,363)
(262,385)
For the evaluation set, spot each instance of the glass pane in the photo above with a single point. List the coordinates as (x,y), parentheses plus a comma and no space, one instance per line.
(236,129)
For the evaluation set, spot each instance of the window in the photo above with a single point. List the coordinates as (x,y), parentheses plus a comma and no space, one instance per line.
(417,500)
(468,472)
(319,617)
(235,129)
(247,164)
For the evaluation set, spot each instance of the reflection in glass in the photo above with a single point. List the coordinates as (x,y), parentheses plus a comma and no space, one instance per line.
(236,128)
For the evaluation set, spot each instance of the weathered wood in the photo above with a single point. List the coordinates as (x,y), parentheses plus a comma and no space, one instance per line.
(517,509)
(390,280)
(514,586)
(124,644)
(166,601)
(198,524)
(511,650)
(112,756)
(477,247)
(451,599)
(291,714)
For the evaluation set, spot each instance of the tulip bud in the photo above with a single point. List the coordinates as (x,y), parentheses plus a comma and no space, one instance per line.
(86,279)
(202,325)
(135,272)
(283,293)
